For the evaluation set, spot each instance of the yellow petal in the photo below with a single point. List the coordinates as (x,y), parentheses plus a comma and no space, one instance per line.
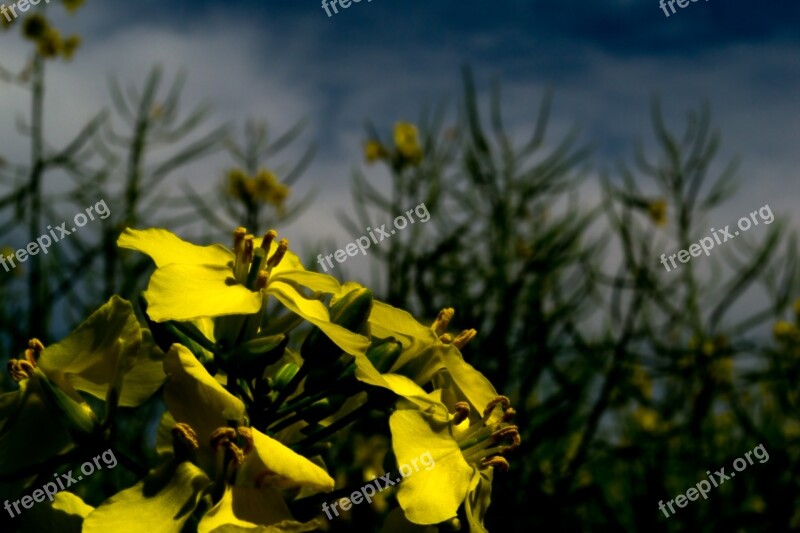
(64,515)
(429,496)
(165,248)
(315,312)
(273,463)
(252,510)
(195,398)
(87,359)
(188,292)
(161,502)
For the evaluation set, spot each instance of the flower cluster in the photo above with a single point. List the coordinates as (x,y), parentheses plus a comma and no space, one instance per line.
(262,364)
(263,188)
(48,40)
(407,149)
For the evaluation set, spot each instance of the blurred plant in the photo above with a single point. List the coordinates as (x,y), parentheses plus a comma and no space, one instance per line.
(250,186)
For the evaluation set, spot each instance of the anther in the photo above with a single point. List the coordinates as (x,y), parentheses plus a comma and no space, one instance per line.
(500,400)
(249,244)
(464,337)
(35,349)
(283,246)
(184,437)
(446,338)
(269,236)
(462,412)
(440,324)
(222,436)
(246,436)
(495,461)
(20,369)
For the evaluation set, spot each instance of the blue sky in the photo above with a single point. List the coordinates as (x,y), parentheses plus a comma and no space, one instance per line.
(283,61)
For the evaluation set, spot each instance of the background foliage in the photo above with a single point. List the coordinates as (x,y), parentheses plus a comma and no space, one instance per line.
(629,382)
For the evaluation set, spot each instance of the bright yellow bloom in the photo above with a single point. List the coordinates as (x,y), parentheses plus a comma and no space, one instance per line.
(783,330)
(194,282)
(50,43)
(70,45)
(213,442)
(406,140)
(464,450)
(73,5)
(646,418)
(264,187)
(109,356)
(657,209)
(375,151)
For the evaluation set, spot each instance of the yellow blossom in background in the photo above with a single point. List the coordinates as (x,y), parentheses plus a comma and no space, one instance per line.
(783,330)
(406,140)
(268,189)
(70,45)
(646,418)
(264,187)
(73,5)
(374,151)
(50,43)
(657,209)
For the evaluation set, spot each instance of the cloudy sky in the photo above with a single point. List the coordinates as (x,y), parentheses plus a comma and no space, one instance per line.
(283,61)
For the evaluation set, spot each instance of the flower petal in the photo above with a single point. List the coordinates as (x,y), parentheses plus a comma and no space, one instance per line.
(166,248)
(162,502)
(87,359)
(278,465)
(252,510)
(195,398)
(429,496)
(65,514)
(315,312)
(188,292)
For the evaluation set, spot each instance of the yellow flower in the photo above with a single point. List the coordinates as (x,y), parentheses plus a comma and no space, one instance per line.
(464,452)
(212,443)
(268,189)
(657,209)
(646,418)
(73,5)
(50,43)
(406,140)
(783,330)
(195,282)
(374,151)
(109,356)
(641,380)
(70,45)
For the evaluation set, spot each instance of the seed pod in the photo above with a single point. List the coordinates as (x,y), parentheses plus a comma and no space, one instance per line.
(284,376)
(251,358)
(323,408)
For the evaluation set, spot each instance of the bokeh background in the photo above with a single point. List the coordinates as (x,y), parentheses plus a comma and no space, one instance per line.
(565,147)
